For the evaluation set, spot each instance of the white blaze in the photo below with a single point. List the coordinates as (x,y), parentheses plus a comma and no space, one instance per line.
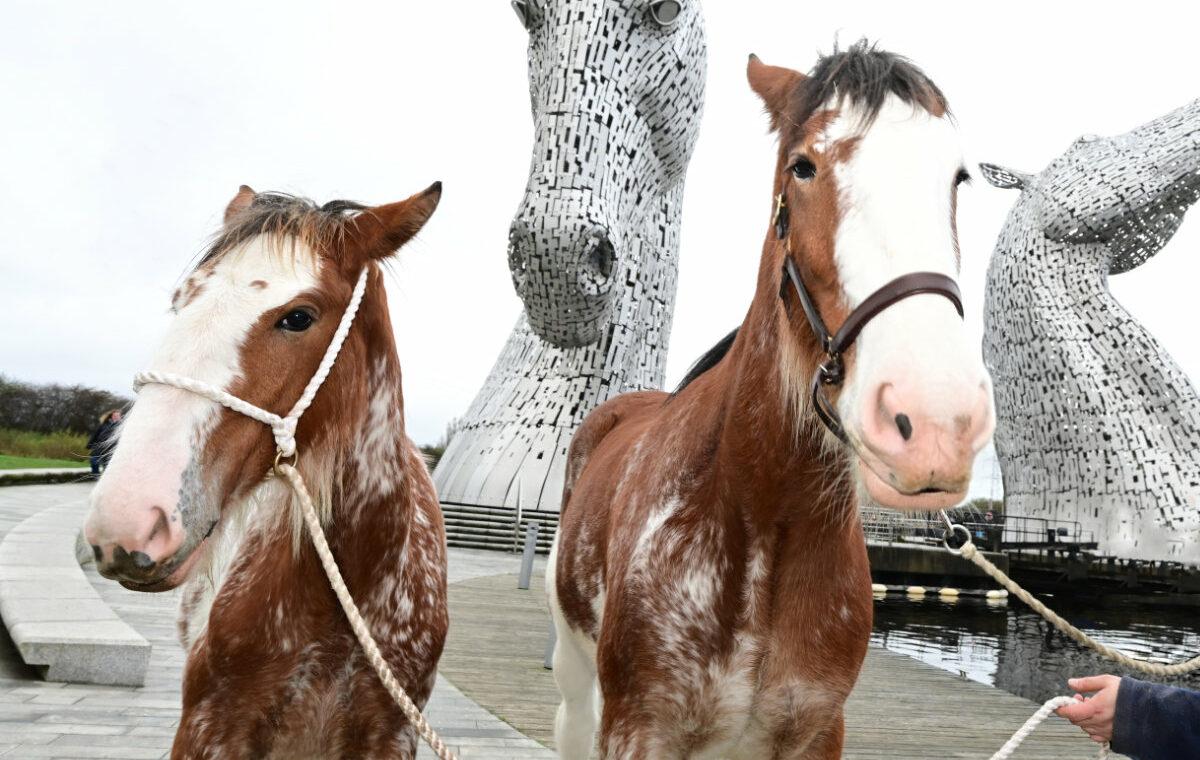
(896,204)
(167,426)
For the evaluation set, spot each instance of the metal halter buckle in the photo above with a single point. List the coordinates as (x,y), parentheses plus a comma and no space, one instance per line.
(833,371)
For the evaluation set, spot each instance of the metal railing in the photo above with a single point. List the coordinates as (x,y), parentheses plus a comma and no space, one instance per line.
(882,525)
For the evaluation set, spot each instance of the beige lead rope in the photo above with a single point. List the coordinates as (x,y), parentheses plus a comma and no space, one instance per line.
(361,631)
(972,553)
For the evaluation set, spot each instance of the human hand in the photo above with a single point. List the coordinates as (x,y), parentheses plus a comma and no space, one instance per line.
(1093,714)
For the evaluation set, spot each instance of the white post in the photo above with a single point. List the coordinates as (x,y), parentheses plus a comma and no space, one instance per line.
(531,534)
(551,640)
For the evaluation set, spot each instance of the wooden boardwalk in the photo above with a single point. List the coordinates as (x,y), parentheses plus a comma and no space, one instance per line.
(902,709)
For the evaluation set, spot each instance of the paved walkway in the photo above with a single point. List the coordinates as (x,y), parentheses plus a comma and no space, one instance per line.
(67,721)
(901,709)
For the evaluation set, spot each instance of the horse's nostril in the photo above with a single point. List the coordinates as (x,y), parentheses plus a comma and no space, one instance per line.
(904,424)
(98,553)
(141,560)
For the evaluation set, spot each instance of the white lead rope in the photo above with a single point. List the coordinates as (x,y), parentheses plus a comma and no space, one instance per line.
(1045,711)
(284,431)
(971,552)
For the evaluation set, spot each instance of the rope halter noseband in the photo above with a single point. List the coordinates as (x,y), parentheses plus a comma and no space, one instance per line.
(283,428)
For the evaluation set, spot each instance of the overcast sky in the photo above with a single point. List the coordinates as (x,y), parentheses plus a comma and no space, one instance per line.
(126,127)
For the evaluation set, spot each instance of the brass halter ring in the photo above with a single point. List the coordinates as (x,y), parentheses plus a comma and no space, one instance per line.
(279,460)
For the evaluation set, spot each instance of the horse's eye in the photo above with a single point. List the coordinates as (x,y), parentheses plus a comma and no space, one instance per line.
(296,320)
(962,176)
(804,169)
(665,12)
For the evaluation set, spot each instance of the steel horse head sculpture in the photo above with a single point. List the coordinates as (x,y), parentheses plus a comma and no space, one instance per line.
(617,89)
(1097,424)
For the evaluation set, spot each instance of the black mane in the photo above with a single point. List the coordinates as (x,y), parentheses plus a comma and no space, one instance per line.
(711,358)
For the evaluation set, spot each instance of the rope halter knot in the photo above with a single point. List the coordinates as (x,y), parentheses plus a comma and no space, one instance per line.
(283,429)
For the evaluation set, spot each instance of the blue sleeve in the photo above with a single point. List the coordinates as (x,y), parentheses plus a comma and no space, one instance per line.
(1156,722)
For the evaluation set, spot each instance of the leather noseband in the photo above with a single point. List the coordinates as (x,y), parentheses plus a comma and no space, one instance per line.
(832,371)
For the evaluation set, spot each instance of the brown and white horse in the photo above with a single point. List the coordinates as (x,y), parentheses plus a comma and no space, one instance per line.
(273,669)
(710,567)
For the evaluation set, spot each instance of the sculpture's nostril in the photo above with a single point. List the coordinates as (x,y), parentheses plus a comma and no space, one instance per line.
(517,263)
(904,425)
(601,257)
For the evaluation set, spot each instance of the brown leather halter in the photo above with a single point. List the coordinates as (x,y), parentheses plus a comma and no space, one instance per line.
(833,370)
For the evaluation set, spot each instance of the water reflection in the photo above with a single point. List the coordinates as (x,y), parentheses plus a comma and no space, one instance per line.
(1013,648)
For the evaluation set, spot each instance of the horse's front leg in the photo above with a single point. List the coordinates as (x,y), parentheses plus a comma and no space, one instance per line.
(826,746)
(213,728)
(400,744)
(626,735)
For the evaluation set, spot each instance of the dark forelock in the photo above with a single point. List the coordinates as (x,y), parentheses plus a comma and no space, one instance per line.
(864,75)
(285,216)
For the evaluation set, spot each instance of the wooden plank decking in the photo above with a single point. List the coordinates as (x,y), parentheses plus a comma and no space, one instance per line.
(902,709)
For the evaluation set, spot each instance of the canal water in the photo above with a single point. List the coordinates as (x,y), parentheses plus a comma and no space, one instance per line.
(1011,647)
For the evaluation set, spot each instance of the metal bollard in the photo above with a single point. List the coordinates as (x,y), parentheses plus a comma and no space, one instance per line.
(531,534)
(551,640)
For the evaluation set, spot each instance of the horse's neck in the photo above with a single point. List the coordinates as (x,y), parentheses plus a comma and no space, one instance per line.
(770,439)
(373,462)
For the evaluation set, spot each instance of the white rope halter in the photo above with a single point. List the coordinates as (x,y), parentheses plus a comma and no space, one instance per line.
(283,428)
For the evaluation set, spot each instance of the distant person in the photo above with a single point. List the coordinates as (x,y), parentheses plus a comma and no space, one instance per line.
(1146,721)
(100,445)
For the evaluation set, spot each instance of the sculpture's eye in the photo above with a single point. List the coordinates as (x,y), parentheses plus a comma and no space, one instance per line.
(297,320)
(665,12)
(804,169)
(962,176)
(525,11)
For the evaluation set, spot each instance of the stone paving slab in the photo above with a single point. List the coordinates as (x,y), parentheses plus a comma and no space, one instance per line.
(66,721)
(57,621)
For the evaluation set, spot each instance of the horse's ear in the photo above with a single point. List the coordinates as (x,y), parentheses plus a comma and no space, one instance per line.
(775,85)
(241,202)
(379,231)
(1006,179)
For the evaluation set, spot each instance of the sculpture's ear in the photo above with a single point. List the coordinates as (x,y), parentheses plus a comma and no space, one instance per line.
(379,231)
(240,202)
(775,85)
(1007,179)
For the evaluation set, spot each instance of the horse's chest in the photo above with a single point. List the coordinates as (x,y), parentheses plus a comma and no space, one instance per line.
(742,665)
(741,706)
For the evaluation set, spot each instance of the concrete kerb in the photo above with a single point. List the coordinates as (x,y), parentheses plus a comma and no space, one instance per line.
(54,616)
